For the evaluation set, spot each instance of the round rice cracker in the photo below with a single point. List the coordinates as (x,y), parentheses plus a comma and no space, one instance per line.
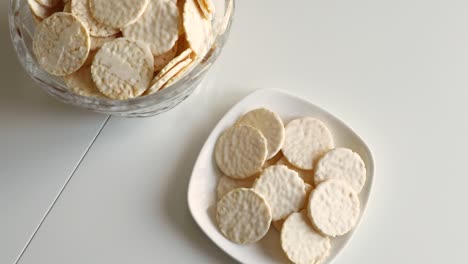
(227,184)
(80,8)
(61,44)
(278,224)
(307,139)
(48,3)
(342,164)
(240,151)
(158,26)
(283,189)
(301,243)
(271,126)
(161,81)
(333,208)
(117,13)
(306,175)
(179,58)
(198,30)
(243,216)
(122,69)
(81,83)
(180,74)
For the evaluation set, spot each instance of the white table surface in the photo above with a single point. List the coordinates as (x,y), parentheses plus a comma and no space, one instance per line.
(41,143)
(395,71)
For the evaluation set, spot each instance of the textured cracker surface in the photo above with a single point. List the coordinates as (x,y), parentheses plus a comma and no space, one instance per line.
(117,13)
(243,216)
(122,69)
(159,84)
(301,243)
(81,83)
(158,26)
(98,42)
(307,139)
(333,208)
(227,184)
(306,175)
(240,151)
(80,8)
(283,189)
(61,44)
(162,60)
(197,28)
(269,124)
(342,164)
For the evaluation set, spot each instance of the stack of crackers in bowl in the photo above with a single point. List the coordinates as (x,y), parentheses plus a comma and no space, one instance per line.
(121,49)
(291,177)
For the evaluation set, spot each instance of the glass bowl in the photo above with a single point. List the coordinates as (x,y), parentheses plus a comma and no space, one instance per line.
(22,26)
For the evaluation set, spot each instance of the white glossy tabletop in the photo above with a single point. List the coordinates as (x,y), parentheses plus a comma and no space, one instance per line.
(395,71)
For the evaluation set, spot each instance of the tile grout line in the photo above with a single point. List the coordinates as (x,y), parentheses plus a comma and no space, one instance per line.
(61,191)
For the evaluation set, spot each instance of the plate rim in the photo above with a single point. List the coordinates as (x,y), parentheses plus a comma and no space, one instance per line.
(371,167)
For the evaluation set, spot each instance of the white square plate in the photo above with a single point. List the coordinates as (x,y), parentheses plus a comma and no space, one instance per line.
(205,175)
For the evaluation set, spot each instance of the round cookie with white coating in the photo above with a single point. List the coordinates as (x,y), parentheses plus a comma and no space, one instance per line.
(342,164)
(243,216)
(301,243)
(271,126)
(80,8)
(307,139)
(240,151)
(122,69)
(333,208)
(227,184)
(117,13)
(283,189)
(158,26)
(61,44)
